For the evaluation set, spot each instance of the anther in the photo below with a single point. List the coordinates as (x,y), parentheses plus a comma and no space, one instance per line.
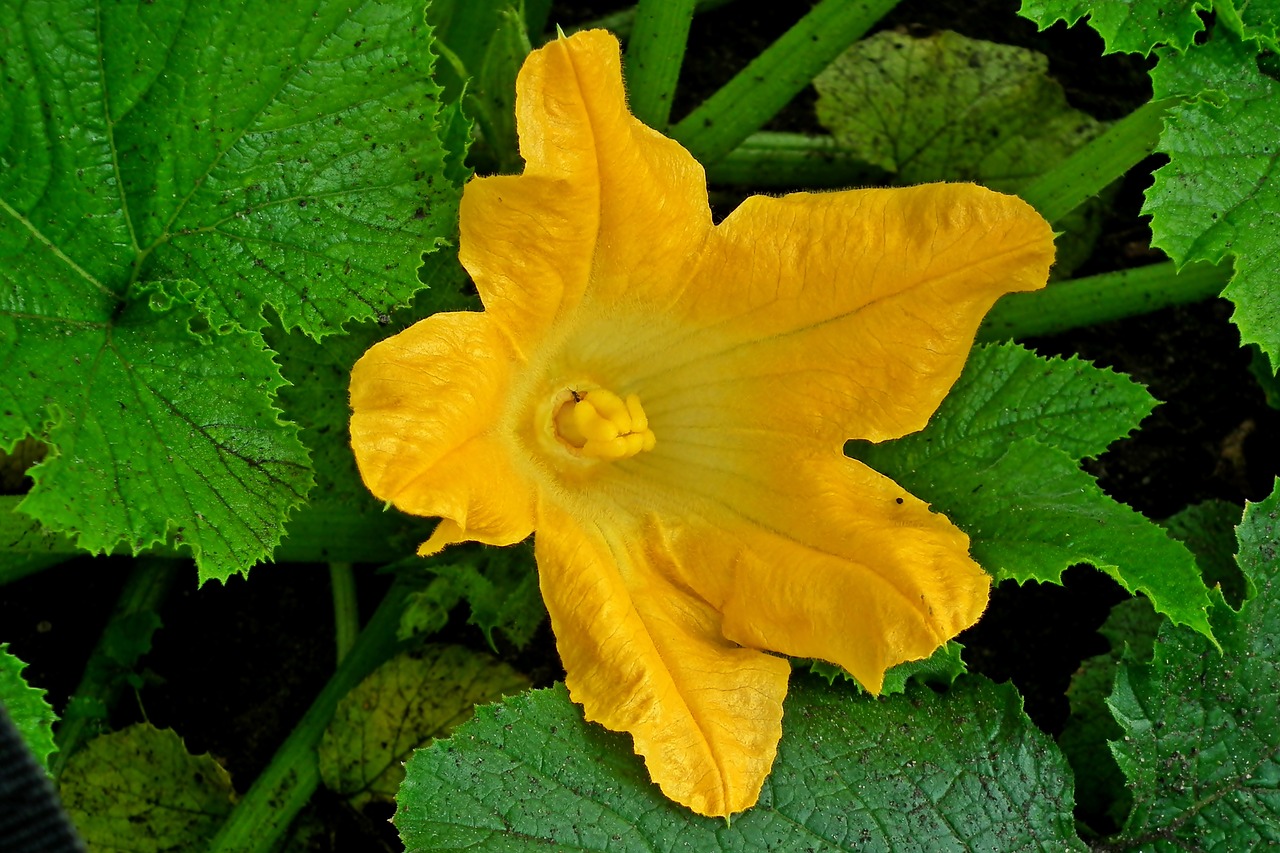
(601,424)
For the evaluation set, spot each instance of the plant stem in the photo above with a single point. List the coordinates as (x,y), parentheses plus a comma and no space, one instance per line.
(125,639)
(261,818)
(758,92)
(1091,168)
(346,612)
(621,23)
(1097,299)
(787,160)
(654,54)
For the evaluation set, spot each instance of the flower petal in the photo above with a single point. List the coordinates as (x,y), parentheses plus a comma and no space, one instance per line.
(645,655)
(847,315)
(427,429)
(607,208)
(814,555)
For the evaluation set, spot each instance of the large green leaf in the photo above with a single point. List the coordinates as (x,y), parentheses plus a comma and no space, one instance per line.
(409,700)
(271,157)
(961,770)
(170,172)
(1216,196)
(1201,745)
(1000,459)
(140,791)
(27,707)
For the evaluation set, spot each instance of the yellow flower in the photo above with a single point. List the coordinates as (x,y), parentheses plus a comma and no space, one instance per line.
(665,401)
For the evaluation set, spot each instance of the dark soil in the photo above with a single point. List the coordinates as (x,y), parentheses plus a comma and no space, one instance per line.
(235,666)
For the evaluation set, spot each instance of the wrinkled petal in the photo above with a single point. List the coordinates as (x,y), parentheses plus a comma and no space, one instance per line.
(606,208)
(646,656)
(808,553)
(427,429)
(845,315)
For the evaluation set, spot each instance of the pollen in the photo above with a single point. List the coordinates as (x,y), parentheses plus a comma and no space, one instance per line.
(602,425)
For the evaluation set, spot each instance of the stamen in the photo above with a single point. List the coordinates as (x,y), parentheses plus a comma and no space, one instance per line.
(602,425)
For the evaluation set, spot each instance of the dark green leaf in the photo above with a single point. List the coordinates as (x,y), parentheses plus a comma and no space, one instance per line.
(1201,745)
(1100,790)
(1208,529)
(957,771)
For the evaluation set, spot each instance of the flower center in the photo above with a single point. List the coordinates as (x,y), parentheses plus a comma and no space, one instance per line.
(602,425)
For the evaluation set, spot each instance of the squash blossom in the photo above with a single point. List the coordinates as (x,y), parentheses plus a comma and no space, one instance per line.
(663,402)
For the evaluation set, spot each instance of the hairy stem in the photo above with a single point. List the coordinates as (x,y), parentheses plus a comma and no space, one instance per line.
(654,54)
(789,160)
(1097,299)
(346,613)
(1091,168)
(758,92)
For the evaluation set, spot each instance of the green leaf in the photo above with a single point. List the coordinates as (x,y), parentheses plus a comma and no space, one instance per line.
(408,701)
(157,430)
(27,707)
(1000,459)
(1215,197)
(499,584)
(941,668)
(950,107)
(1100,789)
(140,791)
(1126,26)
(962,770)
(170,172)
(285,159)
(1201,746)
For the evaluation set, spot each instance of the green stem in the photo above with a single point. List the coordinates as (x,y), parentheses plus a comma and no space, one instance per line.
(1097,299)
(126,638)
(622,22)
(745,103)
(1091,168)
(787,160)
(261,818)
(346,612)
(654,54)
